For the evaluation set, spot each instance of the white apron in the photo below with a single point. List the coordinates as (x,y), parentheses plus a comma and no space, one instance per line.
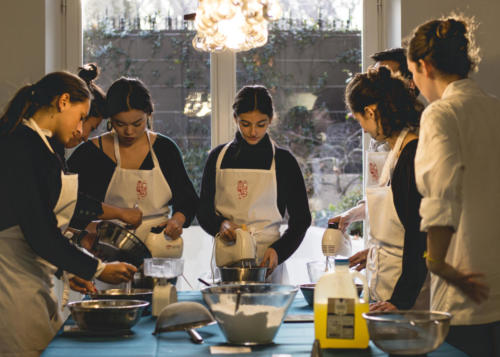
(386,233)
(148,189)
(30,311)
(250,196)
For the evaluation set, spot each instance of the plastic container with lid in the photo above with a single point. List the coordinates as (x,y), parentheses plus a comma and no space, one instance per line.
(338,321)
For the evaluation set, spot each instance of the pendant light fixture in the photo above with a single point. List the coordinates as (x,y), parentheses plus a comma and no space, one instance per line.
(235,25)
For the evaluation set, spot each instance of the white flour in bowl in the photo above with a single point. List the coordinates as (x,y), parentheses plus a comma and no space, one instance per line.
(251,324)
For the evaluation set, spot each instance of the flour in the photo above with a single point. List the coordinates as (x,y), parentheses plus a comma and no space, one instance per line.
(251,323)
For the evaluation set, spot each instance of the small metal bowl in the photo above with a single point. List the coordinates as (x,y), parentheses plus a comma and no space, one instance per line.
(407,332)
(238,274)
(308,292)
(117,243)
(106,315)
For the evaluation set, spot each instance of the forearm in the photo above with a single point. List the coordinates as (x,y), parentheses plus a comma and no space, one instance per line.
(438,240)
(110,212)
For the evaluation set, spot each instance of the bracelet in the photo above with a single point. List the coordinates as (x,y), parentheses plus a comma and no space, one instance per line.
(426,256)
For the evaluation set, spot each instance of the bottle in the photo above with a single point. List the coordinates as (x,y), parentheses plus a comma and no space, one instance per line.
(337,309)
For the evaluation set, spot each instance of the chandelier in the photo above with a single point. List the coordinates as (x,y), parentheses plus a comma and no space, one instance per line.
(235,25)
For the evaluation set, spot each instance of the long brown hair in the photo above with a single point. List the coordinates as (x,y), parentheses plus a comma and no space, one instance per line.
(31,98)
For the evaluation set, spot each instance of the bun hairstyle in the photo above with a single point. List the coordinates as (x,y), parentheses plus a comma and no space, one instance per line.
(31,98)
(253,97)
(89,73)
(397,105)
(448,44)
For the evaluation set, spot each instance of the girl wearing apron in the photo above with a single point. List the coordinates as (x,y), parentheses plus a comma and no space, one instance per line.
(251,181)
(396,271)
(133,167)
(35,208)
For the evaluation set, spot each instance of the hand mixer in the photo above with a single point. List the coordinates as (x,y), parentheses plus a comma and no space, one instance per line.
(331,243)
(241,252)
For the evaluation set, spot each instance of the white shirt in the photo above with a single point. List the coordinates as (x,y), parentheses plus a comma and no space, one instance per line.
(457,168)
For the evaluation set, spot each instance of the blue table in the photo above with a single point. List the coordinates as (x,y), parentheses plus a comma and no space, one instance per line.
(294,339)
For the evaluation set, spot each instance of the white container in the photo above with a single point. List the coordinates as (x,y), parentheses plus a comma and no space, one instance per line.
(338,321)
(163,267)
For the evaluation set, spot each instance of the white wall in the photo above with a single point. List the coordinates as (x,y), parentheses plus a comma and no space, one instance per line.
(486,12)
(22,44)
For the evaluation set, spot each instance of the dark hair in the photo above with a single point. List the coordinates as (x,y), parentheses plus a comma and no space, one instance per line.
(89,73)
(254,97)
(126,94)
(447,44)
(31,98)
(397,105)
(398,55)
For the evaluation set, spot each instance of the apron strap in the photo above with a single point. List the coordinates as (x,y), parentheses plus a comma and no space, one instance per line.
(117,150)
(224,149)
(391,160)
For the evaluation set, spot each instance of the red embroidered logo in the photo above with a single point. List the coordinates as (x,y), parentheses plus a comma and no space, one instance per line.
(373,171)
(141,189)
(242,189)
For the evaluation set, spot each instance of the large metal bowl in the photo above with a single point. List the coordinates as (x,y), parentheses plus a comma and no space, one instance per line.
(249,314)
(239,274)
(407,332)
(106,315)
(129,248)
(124,294)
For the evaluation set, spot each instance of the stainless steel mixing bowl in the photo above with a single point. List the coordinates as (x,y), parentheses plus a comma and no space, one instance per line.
(239,274)
(249,314)
(407,332)
(106,315)
(124,294)
(129,248)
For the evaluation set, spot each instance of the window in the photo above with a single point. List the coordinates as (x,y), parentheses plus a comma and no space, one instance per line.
(311,53)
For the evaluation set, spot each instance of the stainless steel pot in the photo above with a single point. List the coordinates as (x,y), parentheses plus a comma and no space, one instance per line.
(237,274)
(117,243)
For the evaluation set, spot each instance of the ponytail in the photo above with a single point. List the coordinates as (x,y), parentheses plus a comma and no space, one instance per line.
(30,98)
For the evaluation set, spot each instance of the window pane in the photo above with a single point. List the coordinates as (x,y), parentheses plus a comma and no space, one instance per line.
(311,52)
(149,39)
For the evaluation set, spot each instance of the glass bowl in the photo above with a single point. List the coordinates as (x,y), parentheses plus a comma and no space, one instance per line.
(407,332)
(249,314)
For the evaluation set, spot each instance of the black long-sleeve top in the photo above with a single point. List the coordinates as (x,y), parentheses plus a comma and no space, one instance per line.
(95,170)
(30,184)
(407,202)
(292,195)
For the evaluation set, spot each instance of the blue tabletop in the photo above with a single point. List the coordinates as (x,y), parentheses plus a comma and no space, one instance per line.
(294,339)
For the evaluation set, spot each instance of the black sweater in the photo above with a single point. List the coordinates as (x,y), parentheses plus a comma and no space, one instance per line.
(95,170)
(30,185)
(407,202)
(292,195)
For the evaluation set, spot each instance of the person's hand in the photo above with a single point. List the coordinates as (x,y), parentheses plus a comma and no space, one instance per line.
(132,217)
(88,240)
(353,215)
(472,287)
(81,285)
(173,227)
(117,272)
(270,260)
(358,260)
(382,306)
(227,231)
